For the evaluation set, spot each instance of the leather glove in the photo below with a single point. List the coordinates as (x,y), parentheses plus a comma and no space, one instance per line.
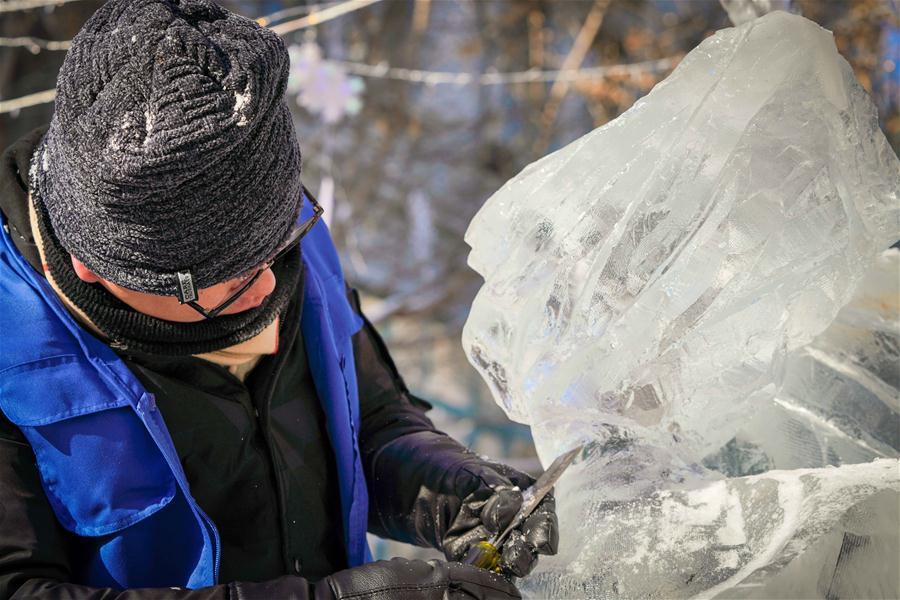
(427,489)
(402,579)
(488,510)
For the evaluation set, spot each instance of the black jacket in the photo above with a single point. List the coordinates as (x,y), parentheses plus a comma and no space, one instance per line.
(256,455)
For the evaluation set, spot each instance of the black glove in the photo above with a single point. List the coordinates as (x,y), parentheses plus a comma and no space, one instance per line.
(427,489)
(402,579)
(488,510)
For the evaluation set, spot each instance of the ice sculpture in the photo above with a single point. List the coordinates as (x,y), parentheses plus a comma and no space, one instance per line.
(655,285)
(743,11)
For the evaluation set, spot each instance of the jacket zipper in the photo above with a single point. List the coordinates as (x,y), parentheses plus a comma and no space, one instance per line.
(262,410)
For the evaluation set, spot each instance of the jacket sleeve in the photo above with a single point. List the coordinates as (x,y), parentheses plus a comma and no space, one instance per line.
(409,465)
(34,555)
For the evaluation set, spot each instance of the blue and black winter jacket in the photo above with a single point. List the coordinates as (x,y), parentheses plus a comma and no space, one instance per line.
(121,471)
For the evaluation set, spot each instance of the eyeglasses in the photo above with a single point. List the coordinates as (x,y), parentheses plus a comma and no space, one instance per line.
(187,290)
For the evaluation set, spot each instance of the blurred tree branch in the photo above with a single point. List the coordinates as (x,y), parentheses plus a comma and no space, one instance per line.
(573,60)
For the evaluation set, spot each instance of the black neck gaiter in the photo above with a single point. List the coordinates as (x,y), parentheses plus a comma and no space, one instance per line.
(129,329)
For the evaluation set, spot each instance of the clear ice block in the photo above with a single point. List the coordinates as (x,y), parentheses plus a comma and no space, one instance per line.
(655,287)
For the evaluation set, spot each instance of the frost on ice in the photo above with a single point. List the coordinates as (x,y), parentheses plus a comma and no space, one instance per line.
(667,288)
(744,537)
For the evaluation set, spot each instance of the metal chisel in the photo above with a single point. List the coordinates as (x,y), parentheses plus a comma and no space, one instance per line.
(486,554)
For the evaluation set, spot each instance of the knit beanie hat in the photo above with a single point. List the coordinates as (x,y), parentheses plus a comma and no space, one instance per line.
(171,149)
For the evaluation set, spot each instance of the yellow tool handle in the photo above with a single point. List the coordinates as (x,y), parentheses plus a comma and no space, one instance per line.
(484,555)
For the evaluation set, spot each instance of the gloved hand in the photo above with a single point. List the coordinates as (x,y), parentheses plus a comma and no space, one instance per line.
(488,510)
(427,489)
(402,579)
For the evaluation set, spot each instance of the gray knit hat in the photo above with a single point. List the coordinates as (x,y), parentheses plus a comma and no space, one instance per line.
(171,148)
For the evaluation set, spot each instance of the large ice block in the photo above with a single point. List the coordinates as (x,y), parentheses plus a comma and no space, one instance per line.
(660,285)
(653,275)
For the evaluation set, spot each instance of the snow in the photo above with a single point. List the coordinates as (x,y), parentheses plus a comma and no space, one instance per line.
(241,102)
(704,542)
(148,126)
(669,288)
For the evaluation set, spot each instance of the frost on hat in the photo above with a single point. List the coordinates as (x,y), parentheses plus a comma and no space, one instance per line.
(171,148)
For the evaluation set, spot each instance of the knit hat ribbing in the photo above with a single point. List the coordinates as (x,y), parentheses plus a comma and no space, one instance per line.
(171,147)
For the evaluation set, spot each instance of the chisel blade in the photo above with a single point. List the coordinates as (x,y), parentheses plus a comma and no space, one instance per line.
(533,495)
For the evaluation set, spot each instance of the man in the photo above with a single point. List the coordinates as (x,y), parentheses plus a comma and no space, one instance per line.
(191,403)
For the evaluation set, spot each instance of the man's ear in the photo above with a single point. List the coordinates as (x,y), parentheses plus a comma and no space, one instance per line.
(83,272)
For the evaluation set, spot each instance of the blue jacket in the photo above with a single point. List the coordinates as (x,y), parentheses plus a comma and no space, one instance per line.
(106,460)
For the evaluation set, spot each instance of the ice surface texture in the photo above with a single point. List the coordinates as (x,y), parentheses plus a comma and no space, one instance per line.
(736,532)
(657,284)
(839,397)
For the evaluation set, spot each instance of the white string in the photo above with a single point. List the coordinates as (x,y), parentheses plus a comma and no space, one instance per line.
(11,5)
(384,71)
(34,44)
(443,77)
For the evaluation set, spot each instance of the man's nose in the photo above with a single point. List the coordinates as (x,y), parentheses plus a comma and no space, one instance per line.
(264,285)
